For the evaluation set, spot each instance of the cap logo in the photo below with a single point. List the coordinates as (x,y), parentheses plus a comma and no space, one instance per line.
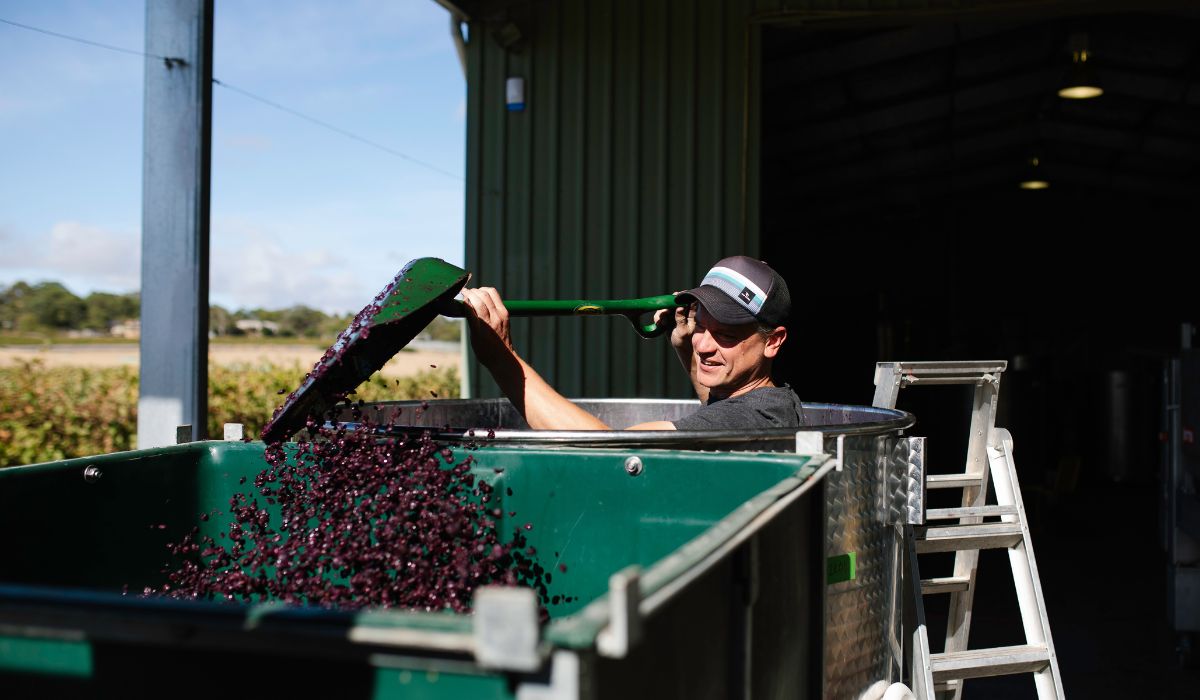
(737,286)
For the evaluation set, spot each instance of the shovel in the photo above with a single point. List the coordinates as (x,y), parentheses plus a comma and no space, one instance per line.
(425,288)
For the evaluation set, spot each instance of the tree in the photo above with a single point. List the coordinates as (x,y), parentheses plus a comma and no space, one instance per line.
(301,321)
(220,321)
(12,304)
(333,325)
(54,306)
(444,329)
(104,309)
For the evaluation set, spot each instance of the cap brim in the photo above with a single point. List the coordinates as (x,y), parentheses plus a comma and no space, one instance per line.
(719,305)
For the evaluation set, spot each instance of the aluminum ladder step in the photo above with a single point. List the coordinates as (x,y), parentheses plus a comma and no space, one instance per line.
(944,584)
(953,538)
(946,379)
(944,373)
(947,686)
(969,512)
(931,373)
(998,661)
(952,481)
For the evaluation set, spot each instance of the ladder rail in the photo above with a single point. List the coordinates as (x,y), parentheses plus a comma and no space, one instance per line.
(1030,599)
(920,668)
(966,562)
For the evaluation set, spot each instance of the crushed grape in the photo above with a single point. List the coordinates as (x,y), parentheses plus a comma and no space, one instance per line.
(359,521)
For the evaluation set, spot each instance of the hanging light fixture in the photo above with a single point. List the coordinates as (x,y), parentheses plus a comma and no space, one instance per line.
(1081,83)
(1032,178)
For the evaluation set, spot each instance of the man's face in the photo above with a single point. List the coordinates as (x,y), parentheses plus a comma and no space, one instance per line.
(731,359)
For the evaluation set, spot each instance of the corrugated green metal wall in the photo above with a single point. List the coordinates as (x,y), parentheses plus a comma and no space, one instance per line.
(633,167)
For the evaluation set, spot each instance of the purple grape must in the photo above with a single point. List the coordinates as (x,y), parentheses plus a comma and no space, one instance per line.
(362,520)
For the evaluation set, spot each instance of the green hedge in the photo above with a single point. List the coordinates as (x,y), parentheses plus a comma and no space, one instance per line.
(54,413)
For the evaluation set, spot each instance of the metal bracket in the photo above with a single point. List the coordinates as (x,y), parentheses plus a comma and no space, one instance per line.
(183,434)
(908,478)
(506,628)
(812,442)
(624,622)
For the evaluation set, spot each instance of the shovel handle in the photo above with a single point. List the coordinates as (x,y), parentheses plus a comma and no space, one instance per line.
(629,308)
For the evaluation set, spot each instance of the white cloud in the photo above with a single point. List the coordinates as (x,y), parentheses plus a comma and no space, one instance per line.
(84,256)
(253,266)
(332,254)
(80,249)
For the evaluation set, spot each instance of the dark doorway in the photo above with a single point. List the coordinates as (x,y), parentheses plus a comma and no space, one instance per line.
(891,171)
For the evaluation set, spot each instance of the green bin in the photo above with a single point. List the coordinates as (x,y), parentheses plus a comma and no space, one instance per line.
(700,565)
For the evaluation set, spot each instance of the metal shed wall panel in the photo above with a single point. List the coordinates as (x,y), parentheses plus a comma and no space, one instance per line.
(633,168)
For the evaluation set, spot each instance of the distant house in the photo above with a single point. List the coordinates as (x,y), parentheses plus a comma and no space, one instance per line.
(252,326)
(130,328)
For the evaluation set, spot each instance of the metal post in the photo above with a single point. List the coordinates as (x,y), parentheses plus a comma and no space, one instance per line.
(175,198)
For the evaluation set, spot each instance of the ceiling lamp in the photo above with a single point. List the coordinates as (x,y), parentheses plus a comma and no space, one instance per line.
(1033,177)
(1081,83)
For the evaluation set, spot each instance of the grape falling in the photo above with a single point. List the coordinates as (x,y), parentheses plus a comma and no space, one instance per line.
(362,521)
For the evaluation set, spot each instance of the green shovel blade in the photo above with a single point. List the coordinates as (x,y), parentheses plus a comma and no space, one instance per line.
(398,313)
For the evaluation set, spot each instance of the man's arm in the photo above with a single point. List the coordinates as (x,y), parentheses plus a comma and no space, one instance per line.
(537,401)
(542,406)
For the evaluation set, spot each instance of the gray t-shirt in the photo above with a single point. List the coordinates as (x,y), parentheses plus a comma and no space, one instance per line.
(769,407)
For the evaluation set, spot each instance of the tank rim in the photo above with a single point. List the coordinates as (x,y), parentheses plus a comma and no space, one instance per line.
(885,421)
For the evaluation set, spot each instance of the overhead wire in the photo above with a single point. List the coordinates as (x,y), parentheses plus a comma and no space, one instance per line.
(81,40)
(171,61)
(336,129)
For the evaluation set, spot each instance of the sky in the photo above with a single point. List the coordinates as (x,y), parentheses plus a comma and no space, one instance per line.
(299,214)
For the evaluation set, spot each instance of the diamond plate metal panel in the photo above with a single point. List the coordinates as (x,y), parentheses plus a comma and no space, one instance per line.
(907,481)
(863,503)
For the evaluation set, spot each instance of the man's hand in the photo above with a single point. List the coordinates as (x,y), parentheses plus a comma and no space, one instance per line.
(488,320)
(685,326)
(683,319)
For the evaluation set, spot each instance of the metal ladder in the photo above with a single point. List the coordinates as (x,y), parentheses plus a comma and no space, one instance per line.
(966,530)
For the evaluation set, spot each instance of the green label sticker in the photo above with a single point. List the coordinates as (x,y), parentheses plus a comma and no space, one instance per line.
(843,567)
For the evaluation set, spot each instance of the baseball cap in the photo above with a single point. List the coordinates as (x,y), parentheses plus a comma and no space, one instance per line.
(741,290)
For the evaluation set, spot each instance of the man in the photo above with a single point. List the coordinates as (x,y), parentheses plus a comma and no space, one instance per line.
(727,338)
